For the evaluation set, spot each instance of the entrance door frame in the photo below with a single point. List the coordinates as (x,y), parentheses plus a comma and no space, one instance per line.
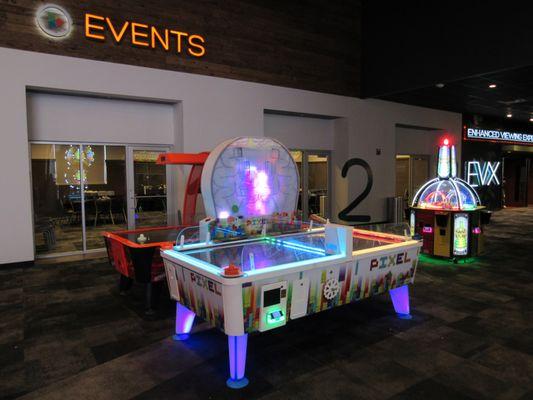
(505,166)
(412,189)
(410,184)
(304,180)
(130,181)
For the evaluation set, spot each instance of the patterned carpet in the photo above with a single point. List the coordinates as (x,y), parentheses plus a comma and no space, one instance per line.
(66,333)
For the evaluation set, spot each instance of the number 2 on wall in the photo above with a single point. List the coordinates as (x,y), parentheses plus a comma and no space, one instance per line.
(344,214)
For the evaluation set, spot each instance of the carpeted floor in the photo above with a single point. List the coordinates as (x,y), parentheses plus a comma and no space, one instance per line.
(66,333)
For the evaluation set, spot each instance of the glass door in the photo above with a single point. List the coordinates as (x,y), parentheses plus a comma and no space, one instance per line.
(298,157)
(318,183)
(411,173)
(104,192)
(314,168)
(147,188)
(81,190)
(57,199)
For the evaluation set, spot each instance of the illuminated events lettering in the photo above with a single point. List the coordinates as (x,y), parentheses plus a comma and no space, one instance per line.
(101,28)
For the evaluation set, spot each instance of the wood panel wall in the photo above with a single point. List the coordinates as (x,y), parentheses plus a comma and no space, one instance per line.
(305,44)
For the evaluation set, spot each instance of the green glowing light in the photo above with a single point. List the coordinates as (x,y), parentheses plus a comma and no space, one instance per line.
(448,262)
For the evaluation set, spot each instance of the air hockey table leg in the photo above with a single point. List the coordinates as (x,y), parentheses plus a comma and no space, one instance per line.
(400,301)
(237,361)
(184,320)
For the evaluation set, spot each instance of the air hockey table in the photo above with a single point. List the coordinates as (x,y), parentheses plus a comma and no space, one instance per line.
(255,283)
(135,254)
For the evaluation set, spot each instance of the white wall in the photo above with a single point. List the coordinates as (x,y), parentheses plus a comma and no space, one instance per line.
(289,130)
(56,117)
(207,110)
(425,142)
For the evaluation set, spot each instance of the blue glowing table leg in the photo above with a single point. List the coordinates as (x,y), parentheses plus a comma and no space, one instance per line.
(184,320)
(400,301)
(237,361)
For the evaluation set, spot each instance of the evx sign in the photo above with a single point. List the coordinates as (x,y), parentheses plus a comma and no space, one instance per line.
(482,173)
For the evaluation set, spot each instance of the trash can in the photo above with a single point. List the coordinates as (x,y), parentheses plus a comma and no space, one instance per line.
(396,209)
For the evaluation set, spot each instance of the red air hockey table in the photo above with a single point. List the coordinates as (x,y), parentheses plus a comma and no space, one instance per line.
(135,254)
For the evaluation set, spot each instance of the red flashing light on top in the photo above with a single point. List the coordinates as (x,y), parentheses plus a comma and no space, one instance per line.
(446,142)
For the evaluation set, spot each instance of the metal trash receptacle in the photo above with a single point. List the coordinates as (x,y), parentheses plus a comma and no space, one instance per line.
(396,209)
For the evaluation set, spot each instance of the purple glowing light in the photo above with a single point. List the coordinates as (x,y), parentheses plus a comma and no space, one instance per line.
(237,361)
(427,229)
(477,230)
(257,190)
(261,187)
(400,301)
(184,321)
(223,214)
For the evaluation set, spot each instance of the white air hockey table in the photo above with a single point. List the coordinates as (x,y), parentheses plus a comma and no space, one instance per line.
(252,266)
(281,278)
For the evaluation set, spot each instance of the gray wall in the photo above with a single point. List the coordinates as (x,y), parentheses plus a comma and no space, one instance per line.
(80,118)
(426,142)
(206,111)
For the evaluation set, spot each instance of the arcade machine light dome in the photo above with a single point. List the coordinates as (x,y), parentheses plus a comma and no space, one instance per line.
(446,211)
(446,191)
(447,195)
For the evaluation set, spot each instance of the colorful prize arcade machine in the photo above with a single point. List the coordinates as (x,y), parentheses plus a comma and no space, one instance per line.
(255,267)
(446,212)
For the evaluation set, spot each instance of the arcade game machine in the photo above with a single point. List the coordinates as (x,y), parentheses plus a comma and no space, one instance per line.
(255,267)
(446,212)
(135,254)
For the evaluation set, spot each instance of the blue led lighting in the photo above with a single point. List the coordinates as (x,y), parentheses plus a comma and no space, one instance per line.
(297,246)
(400,301)
(184,321)
(237,361)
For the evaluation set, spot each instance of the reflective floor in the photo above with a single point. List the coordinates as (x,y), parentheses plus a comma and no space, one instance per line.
(66,333)
(68,237)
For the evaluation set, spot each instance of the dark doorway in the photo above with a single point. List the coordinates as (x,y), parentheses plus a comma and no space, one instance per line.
(517,175)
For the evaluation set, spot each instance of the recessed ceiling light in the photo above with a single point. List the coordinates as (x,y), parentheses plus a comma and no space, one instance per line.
(440,85)
(531,119)
(492,86)
(509,115)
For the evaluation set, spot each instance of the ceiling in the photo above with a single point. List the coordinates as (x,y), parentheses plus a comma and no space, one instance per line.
(513,94)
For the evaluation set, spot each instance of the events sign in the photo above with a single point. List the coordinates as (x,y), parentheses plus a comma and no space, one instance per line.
(55,22)
(496,135)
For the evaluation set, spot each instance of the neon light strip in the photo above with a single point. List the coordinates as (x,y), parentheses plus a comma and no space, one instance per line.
(227,230)
(458,194)
(307,250)
(245,239)
(297,246)
(217,271)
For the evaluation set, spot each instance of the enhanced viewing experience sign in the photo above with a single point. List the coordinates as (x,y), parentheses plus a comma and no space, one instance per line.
(496,135)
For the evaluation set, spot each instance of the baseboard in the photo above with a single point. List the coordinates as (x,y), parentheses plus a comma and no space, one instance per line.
(17,265)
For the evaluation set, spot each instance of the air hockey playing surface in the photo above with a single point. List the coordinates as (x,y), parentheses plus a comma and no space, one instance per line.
(268,252)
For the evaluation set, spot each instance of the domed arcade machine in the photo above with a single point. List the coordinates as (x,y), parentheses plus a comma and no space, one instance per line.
(447,213)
